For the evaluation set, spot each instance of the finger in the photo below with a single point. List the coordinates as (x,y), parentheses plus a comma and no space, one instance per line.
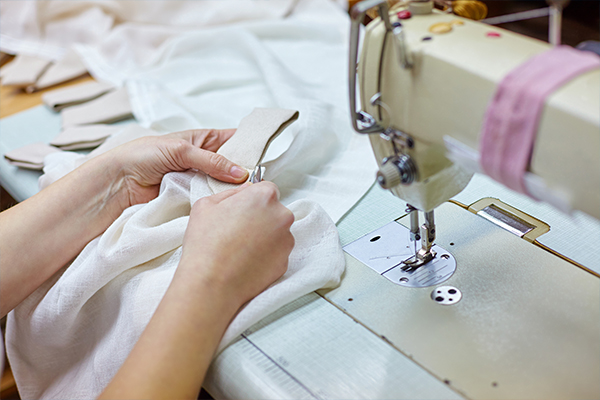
(219,197)
(269,188)
(208,139)
(216,138)
(215,165)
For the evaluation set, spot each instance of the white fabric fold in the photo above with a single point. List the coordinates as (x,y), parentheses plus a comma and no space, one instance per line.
(48,28)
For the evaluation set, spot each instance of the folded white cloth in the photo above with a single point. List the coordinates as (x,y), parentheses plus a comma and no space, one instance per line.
(61,98)
(69,338)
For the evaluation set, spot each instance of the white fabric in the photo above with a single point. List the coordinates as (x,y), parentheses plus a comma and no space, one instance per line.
(48,28)
(68,339)
(212,78)
(296,63)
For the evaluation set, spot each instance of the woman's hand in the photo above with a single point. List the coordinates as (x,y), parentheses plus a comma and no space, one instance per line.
(65,216)
(236,244)
(238,240)
(145,161)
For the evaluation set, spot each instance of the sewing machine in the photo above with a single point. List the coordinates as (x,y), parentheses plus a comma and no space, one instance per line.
(425,84)
(478,302)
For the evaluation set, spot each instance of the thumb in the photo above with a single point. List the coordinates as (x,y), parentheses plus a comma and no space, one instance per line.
(216,166)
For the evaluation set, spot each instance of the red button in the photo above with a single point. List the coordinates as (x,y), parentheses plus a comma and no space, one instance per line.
(405,14)
(493,34)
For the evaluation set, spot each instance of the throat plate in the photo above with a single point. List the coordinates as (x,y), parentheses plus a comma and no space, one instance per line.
(385,249)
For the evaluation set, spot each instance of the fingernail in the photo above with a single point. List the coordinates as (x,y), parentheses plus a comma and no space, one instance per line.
(238,172)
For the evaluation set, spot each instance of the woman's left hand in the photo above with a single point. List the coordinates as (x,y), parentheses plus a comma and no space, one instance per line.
(145,161)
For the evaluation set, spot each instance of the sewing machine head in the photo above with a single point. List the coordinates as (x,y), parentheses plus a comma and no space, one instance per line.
(425,80)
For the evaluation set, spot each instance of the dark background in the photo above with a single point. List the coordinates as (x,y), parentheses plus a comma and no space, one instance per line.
(581,19)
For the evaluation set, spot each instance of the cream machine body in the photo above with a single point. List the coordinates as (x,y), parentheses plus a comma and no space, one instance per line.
(424,85)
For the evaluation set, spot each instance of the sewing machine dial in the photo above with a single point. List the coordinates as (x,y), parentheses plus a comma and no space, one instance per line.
(385,250)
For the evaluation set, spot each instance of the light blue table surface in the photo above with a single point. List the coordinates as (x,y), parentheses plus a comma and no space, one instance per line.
(37,124)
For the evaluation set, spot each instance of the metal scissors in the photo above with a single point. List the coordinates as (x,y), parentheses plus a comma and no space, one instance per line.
(257,174)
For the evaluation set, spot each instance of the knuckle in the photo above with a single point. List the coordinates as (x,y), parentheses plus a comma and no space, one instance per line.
(269,190)
(181,145)
(218,162)
(180,150)
(199,205)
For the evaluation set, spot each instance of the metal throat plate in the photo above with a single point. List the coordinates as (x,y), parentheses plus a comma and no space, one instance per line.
(384,250)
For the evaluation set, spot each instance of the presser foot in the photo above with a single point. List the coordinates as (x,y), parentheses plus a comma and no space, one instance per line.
(418,260)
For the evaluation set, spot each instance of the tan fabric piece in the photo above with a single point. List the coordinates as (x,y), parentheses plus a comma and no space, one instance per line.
(30,156)
(68,68)
(111,107)
(248,145)
(24,71)
(84,137)
(73,95)
(82,145)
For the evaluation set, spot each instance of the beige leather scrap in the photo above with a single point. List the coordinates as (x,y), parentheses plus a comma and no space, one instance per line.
(111,107)
(66,69)
(84,136)
(30,156)
(58,99)
(250,142)
(24,71)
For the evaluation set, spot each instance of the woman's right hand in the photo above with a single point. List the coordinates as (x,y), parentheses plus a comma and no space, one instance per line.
(236,244)
(238,241)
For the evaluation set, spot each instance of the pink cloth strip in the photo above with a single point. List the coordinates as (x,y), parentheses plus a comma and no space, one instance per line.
(513,116)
